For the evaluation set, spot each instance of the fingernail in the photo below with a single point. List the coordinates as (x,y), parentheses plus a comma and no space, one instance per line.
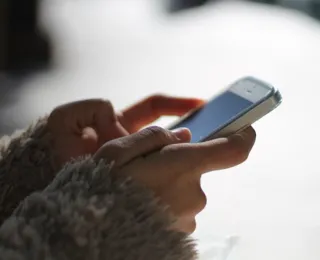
(182,134)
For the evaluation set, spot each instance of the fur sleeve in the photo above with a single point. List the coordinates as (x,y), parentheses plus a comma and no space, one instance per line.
(26,165)
(89,212)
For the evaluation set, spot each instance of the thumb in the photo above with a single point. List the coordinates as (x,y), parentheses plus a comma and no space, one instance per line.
(89,139)
(124,149)
(219,153)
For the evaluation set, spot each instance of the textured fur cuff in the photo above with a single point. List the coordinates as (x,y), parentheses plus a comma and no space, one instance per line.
(26,165)
(90,212)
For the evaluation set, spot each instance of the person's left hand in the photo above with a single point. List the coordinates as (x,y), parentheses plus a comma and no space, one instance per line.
(81,128)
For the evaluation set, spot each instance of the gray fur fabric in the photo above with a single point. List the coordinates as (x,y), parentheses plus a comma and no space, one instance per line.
(26,165)
(87,211)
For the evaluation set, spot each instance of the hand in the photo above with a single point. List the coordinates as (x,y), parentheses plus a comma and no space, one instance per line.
(80,128)
(171,167)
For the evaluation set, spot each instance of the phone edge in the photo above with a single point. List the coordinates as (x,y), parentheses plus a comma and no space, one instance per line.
(248,117)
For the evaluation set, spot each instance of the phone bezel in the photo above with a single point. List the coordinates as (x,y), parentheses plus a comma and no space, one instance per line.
(248,116)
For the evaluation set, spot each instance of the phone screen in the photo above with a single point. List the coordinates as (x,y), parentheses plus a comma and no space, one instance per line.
(214,115)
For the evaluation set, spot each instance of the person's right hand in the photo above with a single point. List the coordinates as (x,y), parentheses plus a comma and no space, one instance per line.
(171,167)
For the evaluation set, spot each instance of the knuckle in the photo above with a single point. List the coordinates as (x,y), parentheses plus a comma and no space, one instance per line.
(239,153)
(196,203)
(103,111)
(105,104)
(251,135)
(199,203)
(202,203)
(55,116)
(158,132)
(156,97)
(186,225)
(58,111)
(111,151)
(191,226)
(241,145)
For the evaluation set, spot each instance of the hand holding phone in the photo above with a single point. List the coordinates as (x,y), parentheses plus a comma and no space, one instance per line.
(232,110)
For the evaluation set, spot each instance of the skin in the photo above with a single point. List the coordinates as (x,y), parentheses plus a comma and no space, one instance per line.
(92,127)
(82,127)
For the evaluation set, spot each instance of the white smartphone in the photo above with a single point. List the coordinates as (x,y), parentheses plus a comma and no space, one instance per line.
(232,110)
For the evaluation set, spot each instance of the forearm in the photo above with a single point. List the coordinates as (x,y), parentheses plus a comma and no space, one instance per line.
(26,165)
(89,212)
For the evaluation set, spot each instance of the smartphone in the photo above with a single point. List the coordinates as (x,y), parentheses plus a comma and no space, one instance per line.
(232,110)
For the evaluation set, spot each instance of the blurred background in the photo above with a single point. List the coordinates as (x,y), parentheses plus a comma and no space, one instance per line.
(55,51)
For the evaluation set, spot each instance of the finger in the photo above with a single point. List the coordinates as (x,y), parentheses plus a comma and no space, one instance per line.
(100,115)
(194,200)
(80,114)
(187,226)
(93,114)
(151,108)
(108,127)
(227,152)
(123,150)
(213,155)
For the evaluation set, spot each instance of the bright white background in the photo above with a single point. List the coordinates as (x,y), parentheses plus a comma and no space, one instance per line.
(125,49)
